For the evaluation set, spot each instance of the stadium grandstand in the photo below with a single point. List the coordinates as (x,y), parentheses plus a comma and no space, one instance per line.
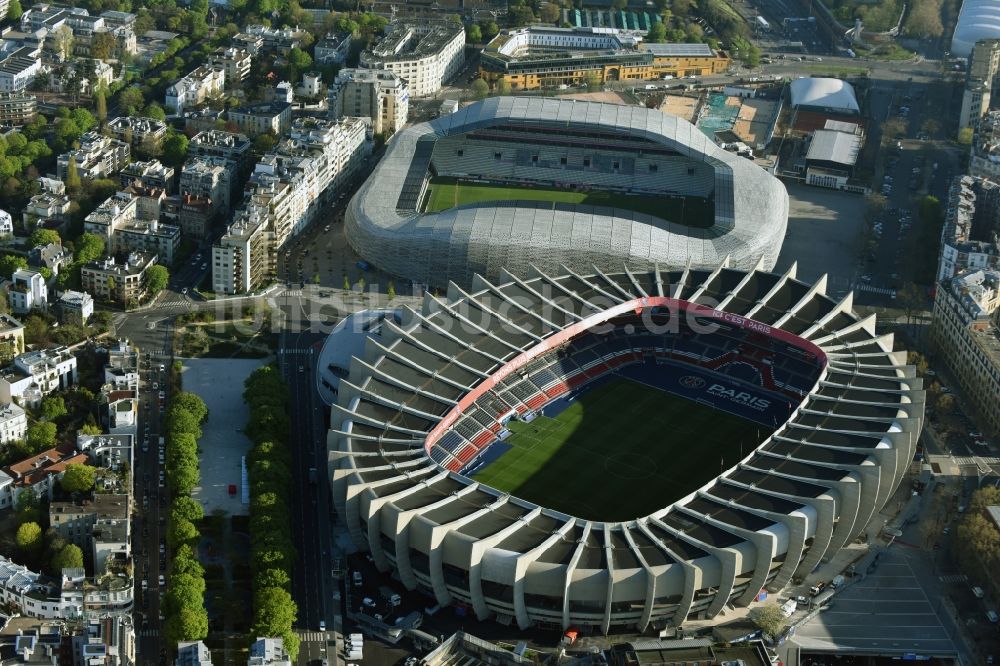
(440,390)
(515,182)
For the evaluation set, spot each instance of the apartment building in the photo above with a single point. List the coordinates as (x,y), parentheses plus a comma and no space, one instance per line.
(85,28)
(984,159)
(196,214)
(19,69)
(38,473)
(972,220)
(99,526)
(965,334)
(425,54)
(983,66)
(234,61)
(268,652)
(240,258)
(256,119)
(17,108)
(6,224)
(43,207)
(52,256)
(149,201)
(27,291)
(333,49)
(11,338)
(377,94)
(13,424)
(75,307)
(97,157)
(289,186)
(214,178)
(227,145)
(111,214)
(193,653)
(281,40)
(200,85)
(124,283)
(36,374)
(152,173)
(138,132)
(149,237)
(105,641)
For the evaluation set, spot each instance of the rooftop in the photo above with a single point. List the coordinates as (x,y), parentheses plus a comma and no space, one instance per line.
(834,146)
(405,40)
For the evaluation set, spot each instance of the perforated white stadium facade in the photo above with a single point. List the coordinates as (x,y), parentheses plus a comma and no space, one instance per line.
(437,383)
(978,19)
(384,225)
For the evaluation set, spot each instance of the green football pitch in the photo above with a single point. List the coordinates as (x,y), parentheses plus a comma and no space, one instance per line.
(445,193)
(620,451)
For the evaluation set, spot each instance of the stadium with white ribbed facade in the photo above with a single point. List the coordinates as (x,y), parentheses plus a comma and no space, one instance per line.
(587,184)
(438,390)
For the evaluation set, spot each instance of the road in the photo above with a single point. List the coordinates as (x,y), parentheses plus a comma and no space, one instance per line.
(312,526)
(151,495)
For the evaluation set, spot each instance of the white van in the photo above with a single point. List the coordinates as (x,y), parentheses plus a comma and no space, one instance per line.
(789,607)
(978,591)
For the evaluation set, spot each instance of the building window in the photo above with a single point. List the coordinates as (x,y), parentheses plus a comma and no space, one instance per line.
(653,168)
(586,161)
(497,156)
(562,160)
(459,152)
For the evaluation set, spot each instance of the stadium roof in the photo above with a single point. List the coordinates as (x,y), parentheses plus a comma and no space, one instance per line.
(680,50)
(825,94)
(384,226)
(978,19)
(833,146)
(806,491)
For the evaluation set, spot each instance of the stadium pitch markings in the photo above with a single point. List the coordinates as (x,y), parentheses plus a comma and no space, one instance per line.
(448,193)
(619,451)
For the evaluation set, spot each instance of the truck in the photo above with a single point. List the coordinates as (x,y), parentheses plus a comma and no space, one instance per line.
(789,607)
(762,23)
(390,596)
(355,653)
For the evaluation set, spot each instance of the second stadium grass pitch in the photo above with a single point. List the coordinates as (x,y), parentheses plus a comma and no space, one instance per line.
(445,193)
(620,451)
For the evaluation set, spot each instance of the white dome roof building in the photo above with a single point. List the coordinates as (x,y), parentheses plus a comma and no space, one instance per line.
(978,19)
(822,94)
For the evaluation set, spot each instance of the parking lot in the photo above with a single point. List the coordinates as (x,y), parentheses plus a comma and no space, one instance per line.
(825,228)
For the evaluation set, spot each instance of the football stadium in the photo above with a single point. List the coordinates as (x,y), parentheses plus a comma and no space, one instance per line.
(518,183)
(619,450)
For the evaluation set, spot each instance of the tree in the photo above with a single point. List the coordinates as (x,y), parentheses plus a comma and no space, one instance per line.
(490,29)
(70,557)
(78,478)
(594,81)
(101,104)
(550,13)
(299,59)
(10,263)
(274,611)
(41,436)
(769,619)
(894,127)
(157,278)
(272,578)
(131,100)
(53,407)
(44,237)
(503,87)
(520,15)
(185,562)
(473,34)
(181,531)
(191,402)
(186,508)
(29,537)
(73,183)
(63,42)
(390,290)
(965,136)
(154,111)
(14,10)
(90,429)
(175,149)
(187,624)
(89,247)
(657,33)
(923,21)
(29,507)
(347,284)
(181,421)
(102,46)
(480,89)
(184,478)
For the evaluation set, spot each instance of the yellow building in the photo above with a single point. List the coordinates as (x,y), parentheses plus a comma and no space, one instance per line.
(536,57)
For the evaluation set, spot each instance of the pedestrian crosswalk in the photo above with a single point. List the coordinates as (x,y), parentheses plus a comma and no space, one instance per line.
(880,291)
(977,460)
(312,636)
(149,633)
(953,578)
